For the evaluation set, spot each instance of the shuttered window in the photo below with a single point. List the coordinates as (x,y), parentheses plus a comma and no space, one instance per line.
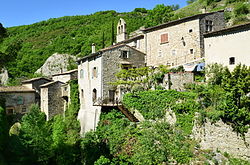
(164,38)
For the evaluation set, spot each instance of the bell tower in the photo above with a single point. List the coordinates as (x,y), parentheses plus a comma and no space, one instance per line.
(121,31)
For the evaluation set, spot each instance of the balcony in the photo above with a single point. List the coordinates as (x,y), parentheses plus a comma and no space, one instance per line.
(110,102)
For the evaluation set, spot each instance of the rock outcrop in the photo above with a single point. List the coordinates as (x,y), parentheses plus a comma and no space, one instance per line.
(4,77)
(220,136)
(57,63)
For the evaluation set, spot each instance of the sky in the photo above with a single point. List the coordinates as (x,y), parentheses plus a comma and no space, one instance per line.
(25,12)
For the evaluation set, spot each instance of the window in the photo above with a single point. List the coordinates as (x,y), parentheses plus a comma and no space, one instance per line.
(174,52)
(23,109)
(164,38)
(209,26)
(190,30)
(81,73)
(231,60)
(111,95)
(19,100)
(126,66)
(94,74)
(124,54)
(9,111)
(94,96)
(191,51)
(159,53)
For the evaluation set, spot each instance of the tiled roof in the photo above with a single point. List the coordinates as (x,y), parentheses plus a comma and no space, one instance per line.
(12,89)
(64,73)
(106,49)
(50,83)
(228,29)
(175,22)
(35,79)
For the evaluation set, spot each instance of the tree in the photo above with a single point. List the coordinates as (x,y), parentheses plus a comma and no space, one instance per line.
(3,32)
(190,1)
(35,135)
(160,14)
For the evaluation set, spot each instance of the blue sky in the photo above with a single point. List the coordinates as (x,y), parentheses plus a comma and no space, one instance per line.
(24,12)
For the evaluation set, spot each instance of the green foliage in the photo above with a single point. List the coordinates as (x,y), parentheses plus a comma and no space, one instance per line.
(117,141)
(140,78)
(190,1)
(241,9)
(3,130)
(141,10)
(160,14)
(226,96)
(153,104)
(35,135)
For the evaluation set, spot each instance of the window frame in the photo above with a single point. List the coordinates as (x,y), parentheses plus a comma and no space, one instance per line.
(162,41)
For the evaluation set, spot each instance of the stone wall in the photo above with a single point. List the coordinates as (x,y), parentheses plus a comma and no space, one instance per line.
(236,45)
(19,107)
(177,81)
(55,100)
(218,24)
(220,136)
(112,64)
(185,40)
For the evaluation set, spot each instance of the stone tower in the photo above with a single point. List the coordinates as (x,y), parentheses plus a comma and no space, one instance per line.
(121,31)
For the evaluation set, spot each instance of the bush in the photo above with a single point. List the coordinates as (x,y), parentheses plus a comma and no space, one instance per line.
(241,9)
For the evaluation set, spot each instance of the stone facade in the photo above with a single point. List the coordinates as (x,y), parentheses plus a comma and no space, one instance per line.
(181,41)
(35,84)
(121,31)
(95,73)
(220,136)
(52,102)
(177,80)
(66,76)
(17,99)
(228,47)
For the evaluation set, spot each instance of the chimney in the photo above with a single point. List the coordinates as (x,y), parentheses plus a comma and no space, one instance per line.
(93,47)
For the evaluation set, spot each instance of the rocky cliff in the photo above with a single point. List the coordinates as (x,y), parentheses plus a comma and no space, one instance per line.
(57,63)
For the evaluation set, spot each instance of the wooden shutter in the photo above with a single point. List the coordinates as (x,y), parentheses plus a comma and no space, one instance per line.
(164,38)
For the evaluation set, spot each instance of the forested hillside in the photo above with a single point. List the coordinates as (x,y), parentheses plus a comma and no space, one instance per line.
(24,49)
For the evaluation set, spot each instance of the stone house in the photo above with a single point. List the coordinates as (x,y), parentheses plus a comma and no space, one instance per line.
(35,84)
(181,41)
(17,99)
(229,46)
(65,76)
(95,73)
(52,102)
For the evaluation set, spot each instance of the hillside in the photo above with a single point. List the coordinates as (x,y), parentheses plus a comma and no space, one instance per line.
(26,48)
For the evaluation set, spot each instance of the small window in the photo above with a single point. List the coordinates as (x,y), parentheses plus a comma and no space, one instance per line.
(94,72)
(174,52)
(190,30)
(94,95)
(23,109)
(81,73)
(9,111)
(124,54)
(209,26)
(191,51)
(65,88)
(126,66)
(159,53)
(231,60)
(19,100)
(164,38)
